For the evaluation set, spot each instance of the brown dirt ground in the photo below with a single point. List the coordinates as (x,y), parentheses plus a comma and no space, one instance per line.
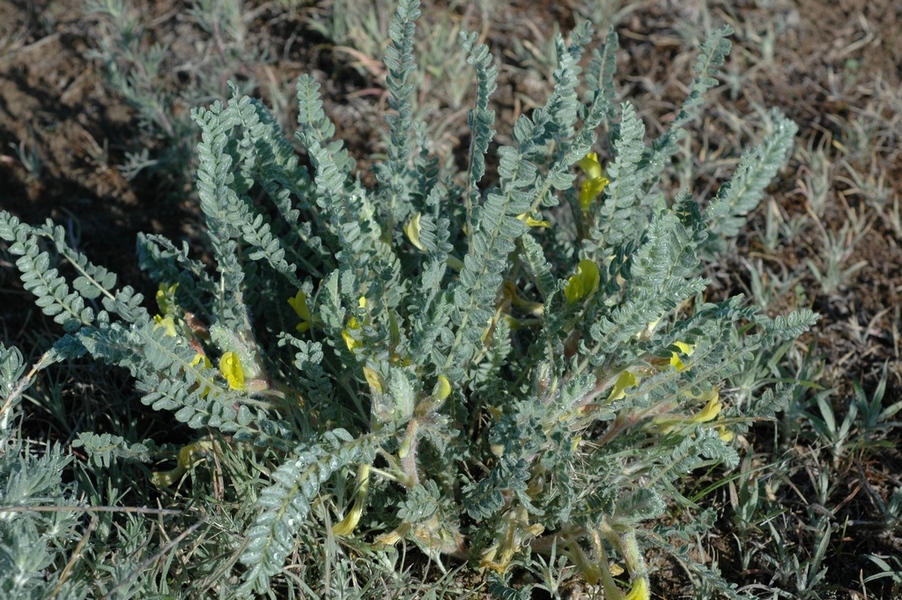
(827,69)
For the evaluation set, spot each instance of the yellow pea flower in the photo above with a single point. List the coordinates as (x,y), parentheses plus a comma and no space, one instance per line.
(299,304)
(590,165)
(624,380)
(393,537)
(686,349)
(347,525)
(354,325)
(412,229)
(431,404)
(725,434)
(204,362)
(201,359)
(517,532)
(166,323)
(639,591)
(374,380)
(711,410)
(230,367)
(510,291)
(584,283)
(595,183)
(590,190)
(350,342)
(188,456)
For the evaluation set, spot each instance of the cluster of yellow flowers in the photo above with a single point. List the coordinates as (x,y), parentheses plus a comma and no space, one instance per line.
(299,304)
(229,363)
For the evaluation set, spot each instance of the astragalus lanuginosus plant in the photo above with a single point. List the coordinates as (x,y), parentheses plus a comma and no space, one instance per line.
(492,368)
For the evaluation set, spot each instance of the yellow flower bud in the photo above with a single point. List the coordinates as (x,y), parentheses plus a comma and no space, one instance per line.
(531,222)
(442,388)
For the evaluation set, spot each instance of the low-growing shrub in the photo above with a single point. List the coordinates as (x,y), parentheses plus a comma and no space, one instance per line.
(512,372)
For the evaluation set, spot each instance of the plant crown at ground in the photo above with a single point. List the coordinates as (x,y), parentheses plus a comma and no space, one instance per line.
(496,369)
